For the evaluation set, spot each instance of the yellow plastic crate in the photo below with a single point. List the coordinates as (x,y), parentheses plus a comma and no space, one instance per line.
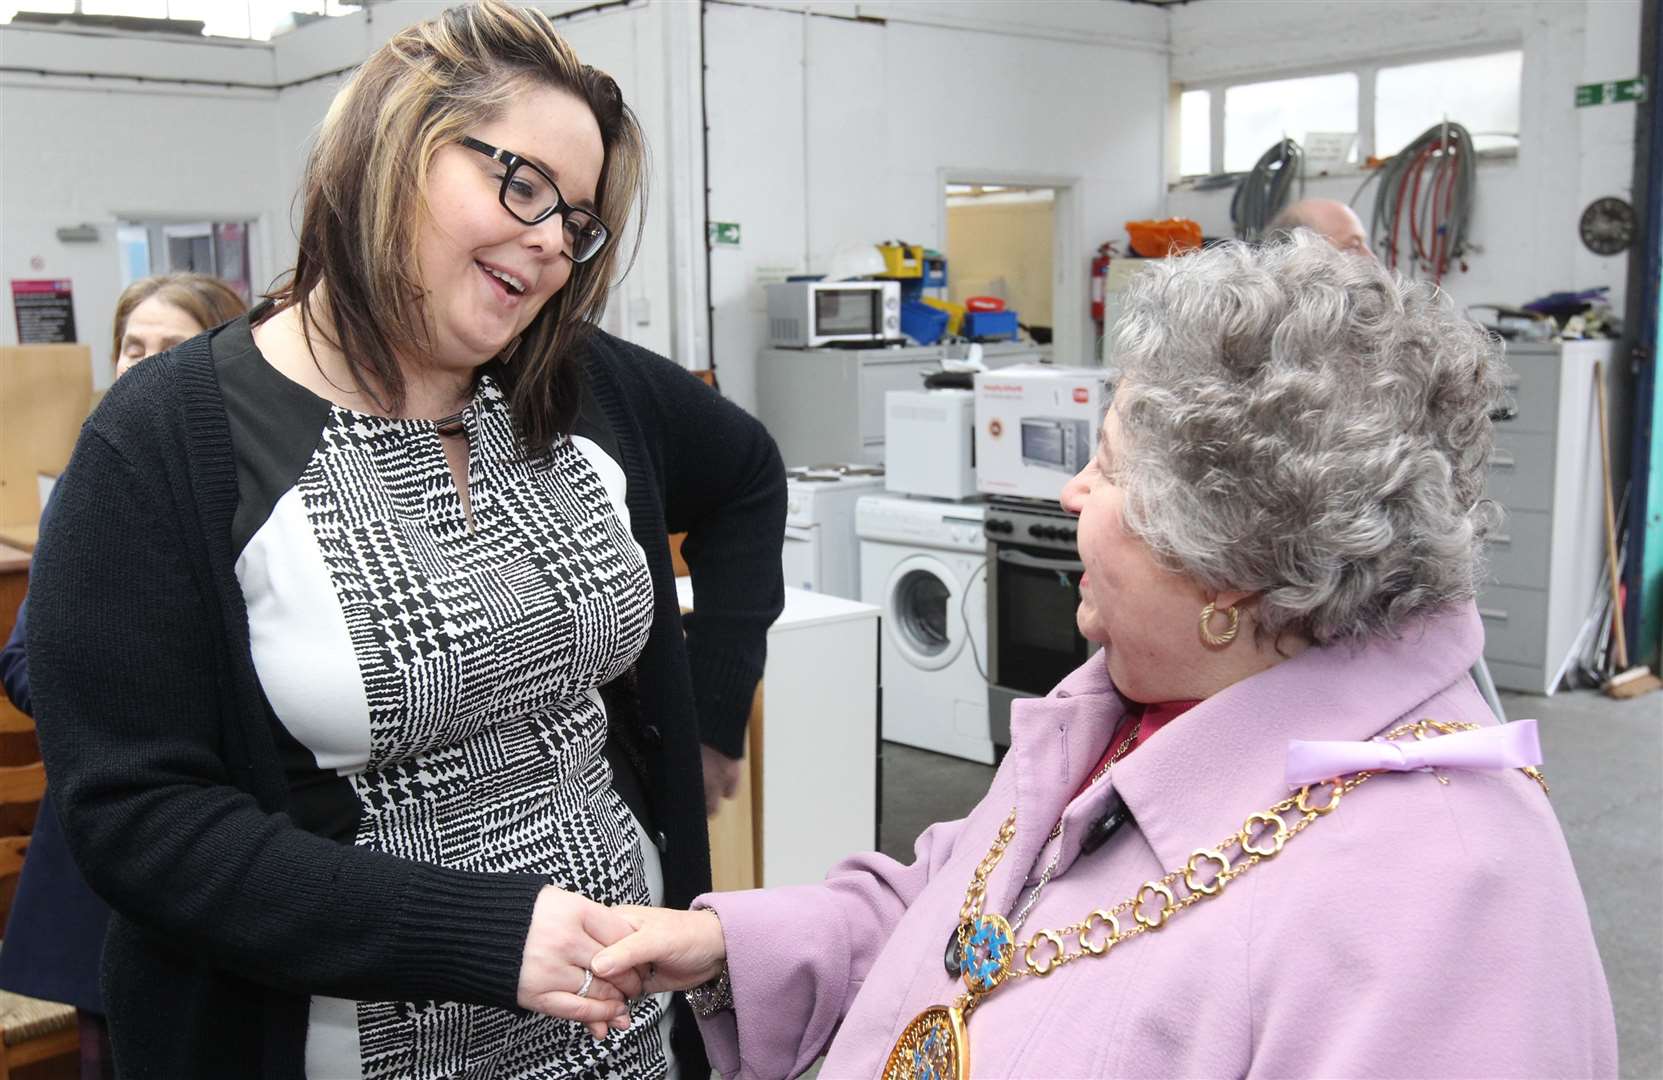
(902,260)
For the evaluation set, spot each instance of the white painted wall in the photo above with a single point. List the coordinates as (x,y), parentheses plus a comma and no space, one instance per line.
(1525,220)
(76,151)
(826,131)
(823,131)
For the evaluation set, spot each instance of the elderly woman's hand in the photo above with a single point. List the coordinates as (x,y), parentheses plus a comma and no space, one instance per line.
(567,930)
(670,950)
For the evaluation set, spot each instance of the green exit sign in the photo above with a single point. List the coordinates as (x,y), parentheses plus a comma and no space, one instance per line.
(724,234)
(1611,92)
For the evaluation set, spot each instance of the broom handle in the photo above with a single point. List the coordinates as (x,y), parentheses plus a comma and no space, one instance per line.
(1610,523)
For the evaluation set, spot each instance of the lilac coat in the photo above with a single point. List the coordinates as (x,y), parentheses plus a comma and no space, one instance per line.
(1420,930)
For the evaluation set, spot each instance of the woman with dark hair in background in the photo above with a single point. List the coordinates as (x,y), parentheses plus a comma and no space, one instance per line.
(330,728)
(55,931)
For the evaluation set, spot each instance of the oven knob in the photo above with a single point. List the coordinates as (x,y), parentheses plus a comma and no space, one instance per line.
(1037,531)
(1069,535)
(792,506)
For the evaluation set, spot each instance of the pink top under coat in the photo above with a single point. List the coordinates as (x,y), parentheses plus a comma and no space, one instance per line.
(1421,930)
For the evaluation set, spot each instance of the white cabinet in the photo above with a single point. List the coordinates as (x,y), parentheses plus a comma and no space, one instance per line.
(1546,557)
(814,779)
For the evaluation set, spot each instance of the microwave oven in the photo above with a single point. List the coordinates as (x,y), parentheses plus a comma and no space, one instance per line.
(930,443)
(809,314)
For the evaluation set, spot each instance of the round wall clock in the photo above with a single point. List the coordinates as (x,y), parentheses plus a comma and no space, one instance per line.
(1607,226)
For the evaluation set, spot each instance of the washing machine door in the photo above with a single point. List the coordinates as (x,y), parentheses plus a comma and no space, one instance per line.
(921,614)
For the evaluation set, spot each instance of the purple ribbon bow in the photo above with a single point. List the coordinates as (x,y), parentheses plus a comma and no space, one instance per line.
(1506,746)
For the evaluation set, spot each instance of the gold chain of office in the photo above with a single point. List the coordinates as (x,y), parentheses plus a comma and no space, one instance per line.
(935,1043)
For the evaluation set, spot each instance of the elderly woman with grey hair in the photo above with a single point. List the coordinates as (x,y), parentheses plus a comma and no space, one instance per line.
(1271,828)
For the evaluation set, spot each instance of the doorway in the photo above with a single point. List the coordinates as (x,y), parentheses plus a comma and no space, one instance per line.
(222,249)
(1000,244)
(1016,235)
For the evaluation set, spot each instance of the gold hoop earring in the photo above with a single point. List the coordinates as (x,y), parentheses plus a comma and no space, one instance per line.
(1218,641)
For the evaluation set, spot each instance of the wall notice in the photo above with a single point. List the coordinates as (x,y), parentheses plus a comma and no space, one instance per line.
(45,311)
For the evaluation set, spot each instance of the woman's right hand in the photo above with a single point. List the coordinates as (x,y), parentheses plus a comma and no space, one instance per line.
(669,950)
(567,930)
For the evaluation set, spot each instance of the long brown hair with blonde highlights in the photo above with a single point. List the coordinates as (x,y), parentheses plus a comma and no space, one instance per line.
(364,193)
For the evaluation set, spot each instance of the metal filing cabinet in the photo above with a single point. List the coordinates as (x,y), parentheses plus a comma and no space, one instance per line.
(1546,557)
(826,405)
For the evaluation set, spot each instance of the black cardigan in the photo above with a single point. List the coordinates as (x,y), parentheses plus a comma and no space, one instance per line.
(160,748)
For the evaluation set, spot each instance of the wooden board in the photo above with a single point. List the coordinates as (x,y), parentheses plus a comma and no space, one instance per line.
(45,393)
(736,828)
(21,537)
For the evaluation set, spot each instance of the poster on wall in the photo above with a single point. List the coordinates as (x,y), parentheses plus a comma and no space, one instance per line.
(45,311)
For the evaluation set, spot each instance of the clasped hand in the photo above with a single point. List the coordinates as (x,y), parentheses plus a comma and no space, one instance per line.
(631,951)
(567,930)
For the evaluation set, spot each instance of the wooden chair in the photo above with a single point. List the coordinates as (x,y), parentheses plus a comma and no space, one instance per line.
(30,1030)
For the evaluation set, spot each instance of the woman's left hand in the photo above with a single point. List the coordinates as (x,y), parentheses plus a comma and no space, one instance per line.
(721,778)
(669,950)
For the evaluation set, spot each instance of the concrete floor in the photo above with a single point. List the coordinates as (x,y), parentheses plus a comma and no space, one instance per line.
(1604,762)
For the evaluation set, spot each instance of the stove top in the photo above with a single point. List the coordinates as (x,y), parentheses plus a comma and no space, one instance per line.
(831,474)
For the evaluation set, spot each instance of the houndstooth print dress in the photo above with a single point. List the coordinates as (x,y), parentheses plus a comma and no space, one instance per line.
(437,688)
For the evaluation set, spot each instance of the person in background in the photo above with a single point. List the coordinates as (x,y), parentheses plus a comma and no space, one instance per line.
(385,693)
(1333,219)
(154,314)
(55,931)
(1200,840)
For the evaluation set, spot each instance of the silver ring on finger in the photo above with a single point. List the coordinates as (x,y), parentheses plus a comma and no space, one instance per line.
(588,981)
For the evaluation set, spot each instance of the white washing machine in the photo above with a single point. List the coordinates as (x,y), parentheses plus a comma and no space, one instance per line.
(925,564)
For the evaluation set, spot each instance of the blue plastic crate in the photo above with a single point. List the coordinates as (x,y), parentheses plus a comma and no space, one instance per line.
(979,325)
(923,323)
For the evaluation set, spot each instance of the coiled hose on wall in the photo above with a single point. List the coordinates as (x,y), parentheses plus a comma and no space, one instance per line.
(1423,207)
(1264,190)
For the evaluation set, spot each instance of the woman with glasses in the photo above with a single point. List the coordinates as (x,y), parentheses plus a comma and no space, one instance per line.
(361,677)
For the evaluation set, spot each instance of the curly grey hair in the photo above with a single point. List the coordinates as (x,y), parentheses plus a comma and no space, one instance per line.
(1306,425)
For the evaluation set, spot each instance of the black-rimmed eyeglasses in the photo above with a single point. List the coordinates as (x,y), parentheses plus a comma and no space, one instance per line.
(530,195)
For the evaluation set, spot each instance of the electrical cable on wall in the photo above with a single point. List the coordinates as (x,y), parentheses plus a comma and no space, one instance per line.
(1264,189)
(1423,207)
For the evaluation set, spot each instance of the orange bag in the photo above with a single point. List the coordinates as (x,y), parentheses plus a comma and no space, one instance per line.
(1158,239)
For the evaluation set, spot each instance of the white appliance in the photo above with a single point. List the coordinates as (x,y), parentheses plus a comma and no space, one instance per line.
(819,719)
(821,553)
(1036,426)
(930,443)
(925,564)
(809,314)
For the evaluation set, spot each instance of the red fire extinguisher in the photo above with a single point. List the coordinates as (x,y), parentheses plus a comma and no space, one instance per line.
(1099,279)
